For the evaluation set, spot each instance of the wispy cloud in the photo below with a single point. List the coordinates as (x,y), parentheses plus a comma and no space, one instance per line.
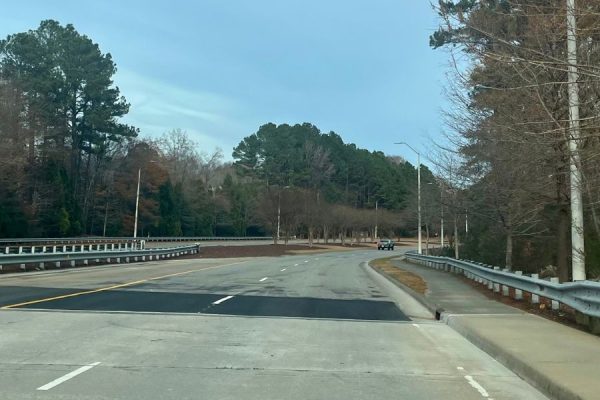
(157,107)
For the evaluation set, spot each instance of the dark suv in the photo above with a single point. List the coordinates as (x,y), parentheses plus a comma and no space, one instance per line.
(385,244)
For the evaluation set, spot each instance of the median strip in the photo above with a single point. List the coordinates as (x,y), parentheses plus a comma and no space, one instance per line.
(413,281)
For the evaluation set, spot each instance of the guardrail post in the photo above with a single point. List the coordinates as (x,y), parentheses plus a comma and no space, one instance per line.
(72,263)
(555,304)
(113,246)
(20,249)
(44,249)
(7,250)
(594,325)
(22,266)
(57,264)
(64,249)
(143,258)
(495,286)
(505,289)
(518,292)
(118,260)
(85,262)
(53,249)
(535,299)
(126,259)
(32,249)
(41,266)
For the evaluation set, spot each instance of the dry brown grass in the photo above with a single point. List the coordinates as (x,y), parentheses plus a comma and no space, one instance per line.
(413,281)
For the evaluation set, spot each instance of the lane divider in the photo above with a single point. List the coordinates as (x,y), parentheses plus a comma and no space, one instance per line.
(283,270)
(68,376)
(477,386)
(222,300)
(264,279)
(122,285)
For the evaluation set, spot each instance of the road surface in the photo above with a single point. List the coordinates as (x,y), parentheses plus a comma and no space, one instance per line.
(295,327)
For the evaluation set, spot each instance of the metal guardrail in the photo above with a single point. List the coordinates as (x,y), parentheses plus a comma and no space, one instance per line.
(583,296)
(47,245)
(117,256)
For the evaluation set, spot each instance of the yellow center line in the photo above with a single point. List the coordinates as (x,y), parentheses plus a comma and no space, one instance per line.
(104,289)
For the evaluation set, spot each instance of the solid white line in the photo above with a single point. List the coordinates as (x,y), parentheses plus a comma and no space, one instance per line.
(477,386)
(283,270)
(68,376)
(222,300)
(263,279)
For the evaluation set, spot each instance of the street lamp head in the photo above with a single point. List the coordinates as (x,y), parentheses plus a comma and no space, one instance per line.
(410,147)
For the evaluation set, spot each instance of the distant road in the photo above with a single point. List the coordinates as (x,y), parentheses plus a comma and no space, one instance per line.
(296,327)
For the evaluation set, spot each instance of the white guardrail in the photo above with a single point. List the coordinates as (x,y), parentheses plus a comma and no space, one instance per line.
(583,296)
(85,256)
(64,245)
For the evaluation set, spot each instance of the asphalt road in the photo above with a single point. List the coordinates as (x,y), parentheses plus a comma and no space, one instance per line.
(295,327)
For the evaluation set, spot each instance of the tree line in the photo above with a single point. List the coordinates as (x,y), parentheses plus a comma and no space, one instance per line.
(509,157)
(69,166)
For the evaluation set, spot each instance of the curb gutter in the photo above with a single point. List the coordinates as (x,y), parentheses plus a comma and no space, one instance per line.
(400,293)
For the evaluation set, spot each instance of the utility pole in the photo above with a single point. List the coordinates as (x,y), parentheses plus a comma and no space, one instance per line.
(137,202)
(442,217)
(376,219)
(419,246)
(279,209)
(577,230)
(278,214)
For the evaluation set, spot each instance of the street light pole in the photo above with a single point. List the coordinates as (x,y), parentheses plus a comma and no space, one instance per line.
(577,232)
(137,202)
(419,246)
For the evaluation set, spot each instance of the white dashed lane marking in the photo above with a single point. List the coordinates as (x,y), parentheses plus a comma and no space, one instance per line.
(222,300)
(264,279)
(68,376)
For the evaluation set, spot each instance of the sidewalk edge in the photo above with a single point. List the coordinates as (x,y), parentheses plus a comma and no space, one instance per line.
(527,372)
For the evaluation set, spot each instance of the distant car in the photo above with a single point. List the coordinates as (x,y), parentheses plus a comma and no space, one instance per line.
(385,244)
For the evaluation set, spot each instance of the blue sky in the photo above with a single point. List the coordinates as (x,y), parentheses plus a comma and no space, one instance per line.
(220,69)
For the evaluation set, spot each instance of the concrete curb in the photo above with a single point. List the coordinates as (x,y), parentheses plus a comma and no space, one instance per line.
(524,370)
(402,295)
